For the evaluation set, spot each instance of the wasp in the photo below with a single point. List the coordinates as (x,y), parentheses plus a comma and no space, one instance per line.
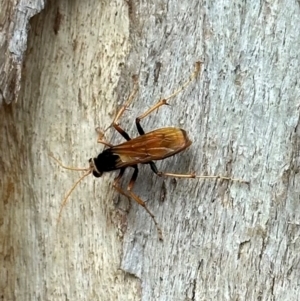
(144,149)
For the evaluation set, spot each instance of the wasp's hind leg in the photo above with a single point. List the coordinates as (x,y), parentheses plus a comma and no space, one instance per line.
(164,101)
(193,175)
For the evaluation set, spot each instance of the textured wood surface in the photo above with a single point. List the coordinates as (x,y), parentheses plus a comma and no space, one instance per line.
(222,241)
(14,20)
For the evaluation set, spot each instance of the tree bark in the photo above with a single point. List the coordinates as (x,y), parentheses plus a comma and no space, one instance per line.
(223,240)
(14,19)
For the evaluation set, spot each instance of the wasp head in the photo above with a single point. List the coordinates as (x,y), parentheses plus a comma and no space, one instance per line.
(96,173)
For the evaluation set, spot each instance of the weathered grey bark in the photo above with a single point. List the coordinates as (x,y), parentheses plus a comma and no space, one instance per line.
(14,20)
(222,241)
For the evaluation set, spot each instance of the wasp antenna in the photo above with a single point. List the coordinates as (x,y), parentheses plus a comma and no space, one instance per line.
(67,167)
(69,193)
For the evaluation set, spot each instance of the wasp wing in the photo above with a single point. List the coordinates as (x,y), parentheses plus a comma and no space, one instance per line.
(155,145)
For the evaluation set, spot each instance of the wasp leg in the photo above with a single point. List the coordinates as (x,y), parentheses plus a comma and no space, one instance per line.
(192,175)
(101,138)
(115,122)
(116,183)
(121,131)
(103,141)
(120,175)
(128,101)
(119,189)
(153,167)
(163,101)
(130,194)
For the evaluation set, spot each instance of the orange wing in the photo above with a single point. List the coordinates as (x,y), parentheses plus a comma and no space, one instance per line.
(155,145)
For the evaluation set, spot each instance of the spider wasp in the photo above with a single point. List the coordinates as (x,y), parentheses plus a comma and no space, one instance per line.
(144,149)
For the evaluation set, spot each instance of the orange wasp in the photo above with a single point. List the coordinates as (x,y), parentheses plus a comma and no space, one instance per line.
(145,149)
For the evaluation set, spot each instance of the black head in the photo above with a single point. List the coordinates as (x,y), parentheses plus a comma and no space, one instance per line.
(96,173)
(105,162)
